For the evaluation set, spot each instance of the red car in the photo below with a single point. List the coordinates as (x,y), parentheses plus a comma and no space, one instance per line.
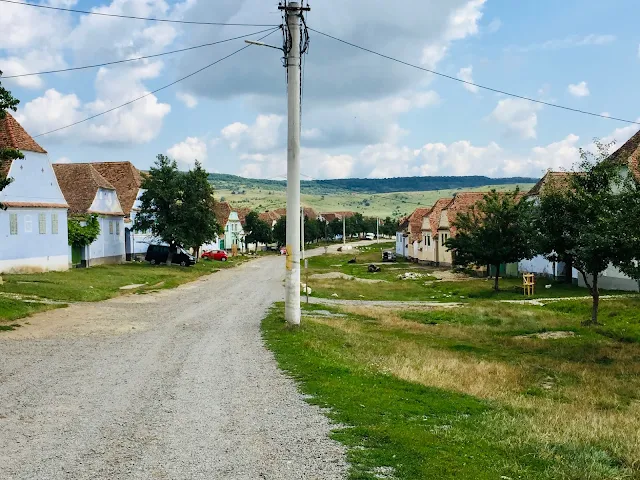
(219,255)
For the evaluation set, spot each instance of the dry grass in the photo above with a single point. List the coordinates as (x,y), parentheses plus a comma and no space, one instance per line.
(559,402)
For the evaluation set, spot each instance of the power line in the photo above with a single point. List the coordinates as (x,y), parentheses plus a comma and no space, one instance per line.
(495,90)
(134,59)
(154,91)
(131,17)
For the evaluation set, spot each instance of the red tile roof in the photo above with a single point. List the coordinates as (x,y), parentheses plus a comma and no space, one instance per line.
(125,178)
(222,210)
(80,183)
(462,202)
(629,155)
(415,223)
(269,217)
(557,178)
(12,135)
(434,214)
(330,216)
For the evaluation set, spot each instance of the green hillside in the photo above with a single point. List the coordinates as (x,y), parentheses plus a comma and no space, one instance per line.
(396,204)
(365,185)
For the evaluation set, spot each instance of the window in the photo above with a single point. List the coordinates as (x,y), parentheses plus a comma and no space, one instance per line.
(54,223)
(110,227)
(428,240)
(13,223)
(117,228)
(42,223)
(28,224)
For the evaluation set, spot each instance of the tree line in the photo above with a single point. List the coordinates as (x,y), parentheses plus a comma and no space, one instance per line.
(587,219)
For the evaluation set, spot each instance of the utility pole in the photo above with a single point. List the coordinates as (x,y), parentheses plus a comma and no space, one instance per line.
(377,230)
(292,13)
(302,230)
(344,230)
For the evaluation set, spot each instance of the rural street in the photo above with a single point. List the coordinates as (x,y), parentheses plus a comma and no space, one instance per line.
(171,385)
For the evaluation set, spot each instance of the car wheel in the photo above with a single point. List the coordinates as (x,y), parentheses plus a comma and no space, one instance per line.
(183,263)
(224,259)
(152,262)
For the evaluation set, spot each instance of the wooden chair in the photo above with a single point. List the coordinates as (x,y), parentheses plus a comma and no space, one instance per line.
(529,284)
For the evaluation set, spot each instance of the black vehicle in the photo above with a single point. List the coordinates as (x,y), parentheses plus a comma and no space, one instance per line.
(388,256)
(159,253)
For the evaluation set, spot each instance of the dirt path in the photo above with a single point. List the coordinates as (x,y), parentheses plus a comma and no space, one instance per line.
(172,385)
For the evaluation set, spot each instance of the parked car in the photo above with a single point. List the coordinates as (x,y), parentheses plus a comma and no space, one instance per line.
(370,236)
(388,256)
(159,253)
(219,255)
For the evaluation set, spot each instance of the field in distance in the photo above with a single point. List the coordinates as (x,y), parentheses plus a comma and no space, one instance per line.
(396,204)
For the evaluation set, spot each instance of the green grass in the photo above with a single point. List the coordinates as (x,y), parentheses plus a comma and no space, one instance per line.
(496,406)
(11,310)
(97,283)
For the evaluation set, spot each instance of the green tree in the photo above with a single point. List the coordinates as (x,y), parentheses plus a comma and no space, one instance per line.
(83,230)
(595,208)
(389,227)
(256,230)
(496,230)
(280,231)
(177,207)
(7,102)
(197,214)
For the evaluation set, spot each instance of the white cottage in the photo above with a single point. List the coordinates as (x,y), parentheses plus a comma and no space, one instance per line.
(33,228)
(87,192)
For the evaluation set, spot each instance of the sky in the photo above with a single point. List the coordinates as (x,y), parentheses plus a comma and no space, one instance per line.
(363,115)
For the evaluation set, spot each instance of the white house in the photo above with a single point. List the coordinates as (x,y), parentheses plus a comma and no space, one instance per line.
(33,228)
(127,181)
(232,221)
(87,192)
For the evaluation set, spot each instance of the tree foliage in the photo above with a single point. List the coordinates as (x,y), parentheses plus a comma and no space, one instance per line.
(494,231)
(7,102)
(595,225)
(83,230)
(256,230)
(280,231)
(176,206)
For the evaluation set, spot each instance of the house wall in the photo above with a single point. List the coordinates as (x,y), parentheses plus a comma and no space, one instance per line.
(612,279)
(34,181)
(233,233)
(428,254)
(109,246)
(401,244)
(30,251)
(444,254)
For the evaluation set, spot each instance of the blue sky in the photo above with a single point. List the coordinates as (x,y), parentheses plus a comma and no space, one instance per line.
(363,115)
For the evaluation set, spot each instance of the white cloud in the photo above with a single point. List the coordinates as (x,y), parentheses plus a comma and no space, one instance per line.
(571,41)
(494,26)
(63,160)
(579,89)
(518,116)
(32,61)
(461,23)
(605,114)
(189,100)
(466,74)
(189,151)
(264,134)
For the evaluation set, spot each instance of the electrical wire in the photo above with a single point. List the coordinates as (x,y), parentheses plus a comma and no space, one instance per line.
(134,59)
(495,90)
(131,17)
(156,90)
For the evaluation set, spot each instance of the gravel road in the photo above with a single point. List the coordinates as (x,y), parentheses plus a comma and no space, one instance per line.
(172,385)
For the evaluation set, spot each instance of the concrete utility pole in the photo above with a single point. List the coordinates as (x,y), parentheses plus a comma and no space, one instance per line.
(302,231)
(344,230)
(293,12)
(377,230)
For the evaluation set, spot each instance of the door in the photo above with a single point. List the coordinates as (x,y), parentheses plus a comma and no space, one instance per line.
(76,255)
(127,244)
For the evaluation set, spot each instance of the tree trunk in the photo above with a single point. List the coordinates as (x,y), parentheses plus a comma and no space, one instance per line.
(169,257)
(495,284)
(568,270)
(596,301)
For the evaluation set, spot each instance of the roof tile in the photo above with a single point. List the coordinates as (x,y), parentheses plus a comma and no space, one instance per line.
(79,183)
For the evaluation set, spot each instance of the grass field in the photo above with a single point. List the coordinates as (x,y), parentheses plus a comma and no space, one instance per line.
(425,288)
(473,392)
(94,284)
(375,205)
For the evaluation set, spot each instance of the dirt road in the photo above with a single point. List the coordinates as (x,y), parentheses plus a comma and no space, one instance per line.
(172,385)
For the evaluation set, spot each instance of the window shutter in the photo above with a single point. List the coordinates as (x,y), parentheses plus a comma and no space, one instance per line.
(110,227)
(54,223)
(117,228)
(13,223)
(42,223)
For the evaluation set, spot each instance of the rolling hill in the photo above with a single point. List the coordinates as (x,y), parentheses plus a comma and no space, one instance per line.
(395,197)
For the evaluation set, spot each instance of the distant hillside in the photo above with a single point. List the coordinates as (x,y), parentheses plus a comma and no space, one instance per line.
(366,185)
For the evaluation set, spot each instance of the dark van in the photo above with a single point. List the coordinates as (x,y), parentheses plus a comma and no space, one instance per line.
(159,253)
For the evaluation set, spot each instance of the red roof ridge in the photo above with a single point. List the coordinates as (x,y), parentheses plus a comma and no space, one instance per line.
(13,135)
